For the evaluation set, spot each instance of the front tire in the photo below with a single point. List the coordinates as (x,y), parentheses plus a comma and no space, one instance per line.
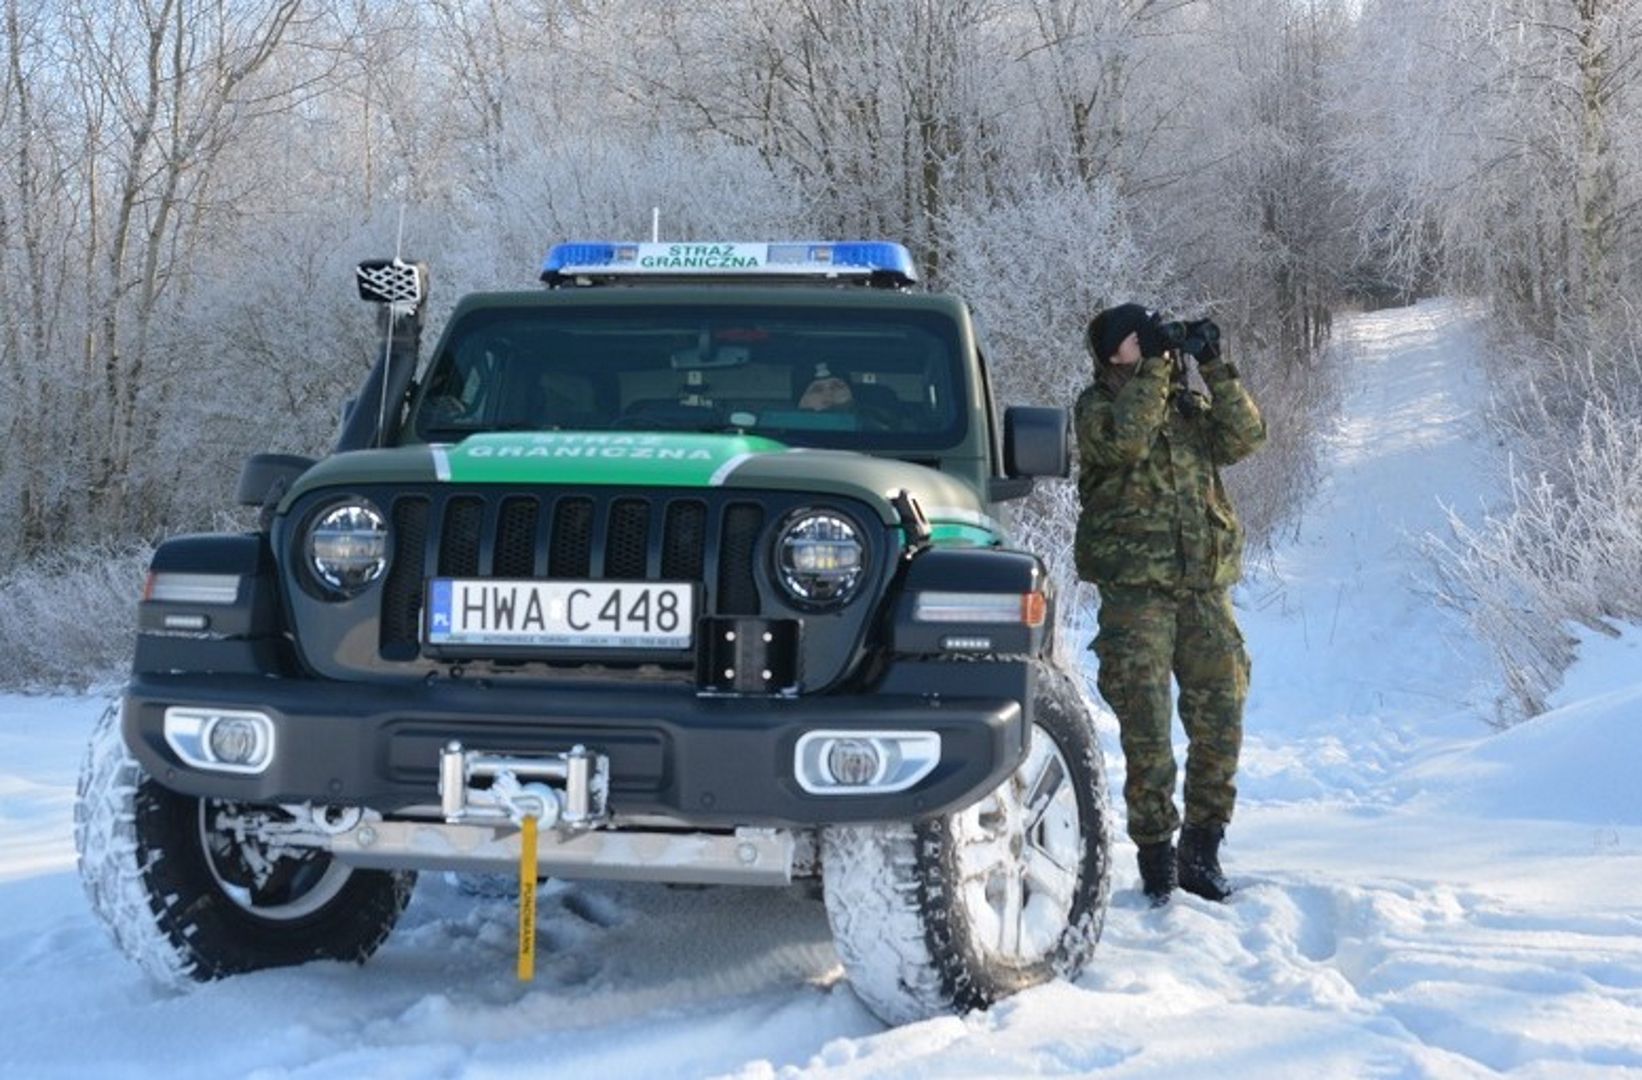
(954,913)
(190,895)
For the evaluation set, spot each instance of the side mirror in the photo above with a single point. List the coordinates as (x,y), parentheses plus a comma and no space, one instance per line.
(265,478)
(1034,442)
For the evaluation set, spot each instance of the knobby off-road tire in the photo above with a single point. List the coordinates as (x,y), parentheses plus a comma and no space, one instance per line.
(921,912)
(143,859)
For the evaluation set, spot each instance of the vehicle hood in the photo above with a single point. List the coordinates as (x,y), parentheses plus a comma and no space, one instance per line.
(666,460)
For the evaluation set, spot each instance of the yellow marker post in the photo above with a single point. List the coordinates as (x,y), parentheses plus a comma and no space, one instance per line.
(527,900)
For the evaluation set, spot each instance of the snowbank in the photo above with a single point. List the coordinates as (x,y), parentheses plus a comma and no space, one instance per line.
(1580,762)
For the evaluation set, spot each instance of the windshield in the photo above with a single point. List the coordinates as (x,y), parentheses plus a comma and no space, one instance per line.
(807,376)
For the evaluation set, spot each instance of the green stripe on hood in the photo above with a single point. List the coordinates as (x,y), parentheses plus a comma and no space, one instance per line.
(682,459)
(952,534)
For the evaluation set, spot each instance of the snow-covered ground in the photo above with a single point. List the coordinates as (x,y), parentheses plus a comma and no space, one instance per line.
(1418,897)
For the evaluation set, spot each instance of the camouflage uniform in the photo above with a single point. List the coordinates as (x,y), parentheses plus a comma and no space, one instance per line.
(1157,534)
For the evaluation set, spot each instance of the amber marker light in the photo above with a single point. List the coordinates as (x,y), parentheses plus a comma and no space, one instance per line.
(1034,608)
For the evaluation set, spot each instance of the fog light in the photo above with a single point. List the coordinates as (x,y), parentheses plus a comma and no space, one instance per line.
(864,762)
(220,740)
(234,741)
(853,762)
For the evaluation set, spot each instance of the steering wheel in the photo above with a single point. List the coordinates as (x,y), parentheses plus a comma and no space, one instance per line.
(445,408)
(665,414)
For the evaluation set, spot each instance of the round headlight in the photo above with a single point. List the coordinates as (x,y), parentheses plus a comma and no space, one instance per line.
(819,558)
(348,546)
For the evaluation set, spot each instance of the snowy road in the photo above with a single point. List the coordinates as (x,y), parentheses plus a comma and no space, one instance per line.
(1417,898)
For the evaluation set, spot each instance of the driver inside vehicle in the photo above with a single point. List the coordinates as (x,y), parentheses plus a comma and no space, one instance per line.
(871,406)
(826,393)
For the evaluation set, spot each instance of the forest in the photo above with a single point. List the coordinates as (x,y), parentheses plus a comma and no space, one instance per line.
(185,187)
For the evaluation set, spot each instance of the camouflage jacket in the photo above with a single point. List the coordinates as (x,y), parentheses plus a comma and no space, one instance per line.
(1153,509)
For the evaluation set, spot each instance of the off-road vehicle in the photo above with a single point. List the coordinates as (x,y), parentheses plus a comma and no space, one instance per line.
(694,560)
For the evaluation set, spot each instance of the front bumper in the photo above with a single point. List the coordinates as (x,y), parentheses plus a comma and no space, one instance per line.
(704,761)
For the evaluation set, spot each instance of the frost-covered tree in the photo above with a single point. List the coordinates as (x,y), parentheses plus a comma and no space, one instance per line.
(184,187)
(1493,148)
(1494,136)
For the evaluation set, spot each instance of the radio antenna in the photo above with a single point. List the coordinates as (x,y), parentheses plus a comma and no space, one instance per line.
(391,314)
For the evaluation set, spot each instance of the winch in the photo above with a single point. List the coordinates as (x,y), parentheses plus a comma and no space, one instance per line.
(566,791)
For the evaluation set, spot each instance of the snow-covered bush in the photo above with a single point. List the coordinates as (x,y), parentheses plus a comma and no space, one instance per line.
(71,618)
(1031,313)
(1297,401)
(1492,147)
(1567,547)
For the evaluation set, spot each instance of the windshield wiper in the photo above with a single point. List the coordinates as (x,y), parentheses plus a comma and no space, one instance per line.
(459,431)
(724,428)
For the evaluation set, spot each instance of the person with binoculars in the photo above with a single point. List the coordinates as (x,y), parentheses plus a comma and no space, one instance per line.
(1156,534)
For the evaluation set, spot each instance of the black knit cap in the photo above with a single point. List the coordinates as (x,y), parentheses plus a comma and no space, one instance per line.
(1108,329)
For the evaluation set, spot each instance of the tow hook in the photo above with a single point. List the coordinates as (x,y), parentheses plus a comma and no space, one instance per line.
(564,791)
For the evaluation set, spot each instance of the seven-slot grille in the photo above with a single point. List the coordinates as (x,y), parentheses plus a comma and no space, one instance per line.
(582,534)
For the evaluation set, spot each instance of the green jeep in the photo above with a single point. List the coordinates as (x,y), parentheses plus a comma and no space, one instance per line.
(693,559)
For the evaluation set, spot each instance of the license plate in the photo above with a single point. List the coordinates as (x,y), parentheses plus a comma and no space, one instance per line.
(558,614)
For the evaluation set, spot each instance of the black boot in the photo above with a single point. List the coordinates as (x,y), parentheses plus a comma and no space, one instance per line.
(1200,862)
(1157,871)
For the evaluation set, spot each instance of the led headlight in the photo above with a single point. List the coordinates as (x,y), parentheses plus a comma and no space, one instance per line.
(819,558)
(348,545)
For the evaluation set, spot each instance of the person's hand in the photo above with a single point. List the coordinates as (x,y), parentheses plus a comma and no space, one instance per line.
(1209,351)
(1152,342)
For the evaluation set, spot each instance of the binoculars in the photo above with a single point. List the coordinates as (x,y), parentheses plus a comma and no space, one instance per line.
(1191,336)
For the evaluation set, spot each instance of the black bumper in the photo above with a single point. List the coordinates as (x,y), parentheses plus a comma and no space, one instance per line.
(704,760)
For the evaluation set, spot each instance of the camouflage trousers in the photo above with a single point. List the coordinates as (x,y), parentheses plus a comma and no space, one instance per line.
(1146,635)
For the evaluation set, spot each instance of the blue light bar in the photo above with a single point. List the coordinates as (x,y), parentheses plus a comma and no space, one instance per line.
(564,255)
(848,259)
